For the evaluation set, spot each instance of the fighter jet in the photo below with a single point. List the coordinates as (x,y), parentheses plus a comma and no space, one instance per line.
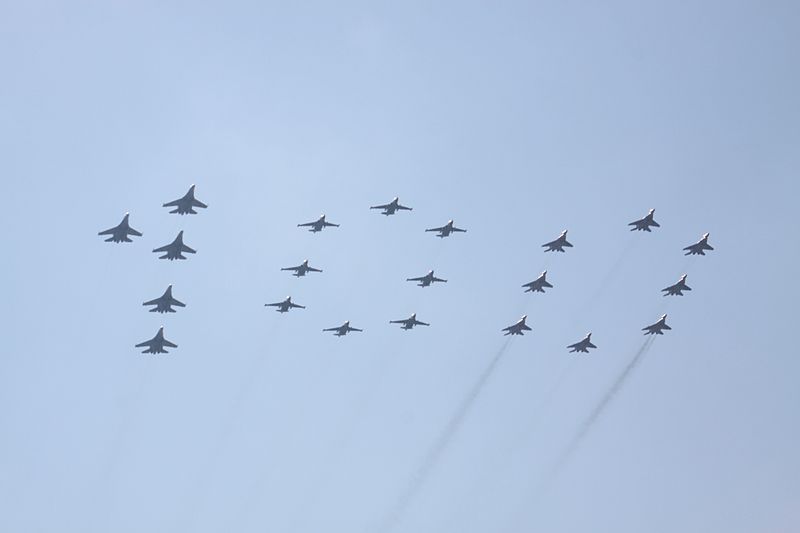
(186,204)
(302,269)
(700,247)
(318,225)
(175,249)
(518,328)
(285,305)
(644,224)
(447,229)
(558,244)
(409,322)
(120,232)
(391,207)
(157,343)
(427,279)
(657,328)
(342,330)
(583,345)
(164,303)
(677,288)
(539,284)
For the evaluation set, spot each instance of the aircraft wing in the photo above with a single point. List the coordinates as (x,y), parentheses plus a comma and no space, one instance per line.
(326,223)
(170,344)
(404,208)
(291,268)
(186,249)
(165,248)
(198,203)
(173,203)
(384,206)
(416,279)
(132,231)
(355,329)
(153,302)
(143,344)
(438,279)
(590,345)
(420,323)
(459,229)
(436,229)
(332,329)
(292,304)
(108,231)
(312,269)
(307,224)
(655,224)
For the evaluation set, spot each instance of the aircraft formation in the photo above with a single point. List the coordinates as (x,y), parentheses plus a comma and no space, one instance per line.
(177,248)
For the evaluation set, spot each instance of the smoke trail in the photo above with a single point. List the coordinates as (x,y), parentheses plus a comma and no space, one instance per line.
(599,409)
(392,519)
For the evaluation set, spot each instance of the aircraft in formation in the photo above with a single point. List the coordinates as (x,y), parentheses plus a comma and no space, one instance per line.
(558,244)
(157,343)
(175,249)
(302,269)
(700,247)
(657,328)
(186,204)
(285,305)
(164,303)
(343,330)
(410,322)
(318,225)
(120,232)
(447,229)
(583,345)
(427,279)
(678,288)
(392,207)
(518,328)
(539,284)
(644,224)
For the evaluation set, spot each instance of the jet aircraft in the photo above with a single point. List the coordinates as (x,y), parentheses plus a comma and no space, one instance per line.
(285,305)
(318,225)
(342,330)
(678,288)
(391,207)
(657,328)
(427,279)
(157,343)
(644,224)
(302,269)
(558,244)
(583,345)
(175,249)
(447,229)
(700,247)
(539,284)
(164,303)
(120,232)
(518,328)
(409,322)
(186,204)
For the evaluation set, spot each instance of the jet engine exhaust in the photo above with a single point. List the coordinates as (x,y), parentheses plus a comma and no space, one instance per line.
(600,408)
(393,518)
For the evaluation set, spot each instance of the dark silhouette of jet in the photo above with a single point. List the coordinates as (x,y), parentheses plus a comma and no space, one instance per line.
(391,207)
(120,232)
(539,284)
(302,269)
(409,323)
(157,343)
(164,303)
(700,247)
(186,204)
(343,330)
(644,224)
(558,244)
(318,225)
(285,305)
(583,345)
(657,328)
(175,249)
(427,279)
(678,288)
(447,229)
(518,328)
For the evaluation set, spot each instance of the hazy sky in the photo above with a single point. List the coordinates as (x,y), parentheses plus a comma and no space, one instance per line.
(515,119)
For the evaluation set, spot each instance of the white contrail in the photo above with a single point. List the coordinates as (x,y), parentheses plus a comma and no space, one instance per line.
(394,516)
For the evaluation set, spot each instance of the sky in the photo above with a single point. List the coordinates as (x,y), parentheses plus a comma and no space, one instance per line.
(515,119)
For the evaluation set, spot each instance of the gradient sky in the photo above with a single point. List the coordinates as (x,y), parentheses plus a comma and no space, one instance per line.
(515,119)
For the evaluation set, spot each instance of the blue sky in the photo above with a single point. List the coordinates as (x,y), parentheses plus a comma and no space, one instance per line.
(517,120)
